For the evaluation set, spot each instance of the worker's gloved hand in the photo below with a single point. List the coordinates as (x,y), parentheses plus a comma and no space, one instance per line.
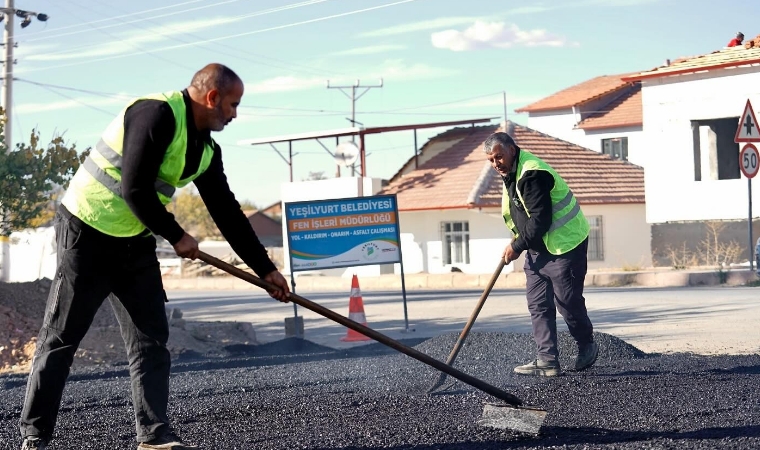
(278,280)
(187,247)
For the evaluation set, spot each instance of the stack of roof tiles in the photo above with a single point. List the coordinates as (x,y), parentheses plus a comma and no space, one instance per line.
(753,42)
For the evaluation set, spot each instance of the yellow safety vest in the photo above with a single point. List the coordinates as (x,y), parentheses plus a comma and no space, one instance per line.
(569,225)
(94,194)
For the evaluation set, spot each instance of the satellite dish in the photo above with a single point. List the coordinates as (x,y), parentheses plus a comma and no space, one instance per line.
(346,153)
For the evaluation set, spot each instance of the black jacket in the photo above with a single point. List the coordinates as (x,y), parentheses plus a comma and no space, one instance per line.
(149,127)
(535,186)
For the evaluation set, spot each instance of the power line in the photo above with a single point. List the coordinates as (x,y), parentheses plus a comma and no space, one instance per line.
(8,13)
(369,113)
(121,23)
(222,38)
(319,112)
(66,88)
(282,65)
(159,57)
(444,103)
(78,101)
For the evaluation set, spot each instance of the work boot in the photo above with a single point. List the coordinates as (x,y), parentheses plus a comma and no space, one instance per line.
(34,443)
(586,356)
(540,368)
(167,442)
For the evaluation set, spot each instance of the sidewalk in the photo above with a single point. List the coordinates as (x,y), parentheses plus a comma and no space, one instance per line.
(422,281)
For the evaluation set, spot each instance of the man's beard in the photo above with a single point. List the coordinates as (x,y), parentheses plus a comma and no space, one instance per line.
(218,121)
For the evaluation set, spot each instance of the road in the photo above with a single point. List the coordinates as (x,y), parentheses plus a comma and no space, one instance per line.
(702,320)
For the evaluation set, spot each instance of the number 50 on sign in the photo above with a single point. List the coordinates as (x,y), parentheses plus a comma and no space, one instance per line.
(749,160)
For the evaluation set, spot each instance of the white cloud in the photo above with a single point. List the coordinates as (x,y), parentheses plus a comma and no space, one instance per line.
(424,25)
(141,39)
(493,35)
(368,50)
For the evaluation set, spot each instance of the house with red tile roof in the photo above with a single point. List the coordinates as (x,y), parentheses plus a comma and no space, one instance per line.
(603,114)
(449,201)
(679,122)
(692,109)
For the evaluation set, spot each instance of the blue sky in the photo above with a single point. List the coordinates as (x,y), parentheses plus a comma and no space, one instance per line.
(440,60)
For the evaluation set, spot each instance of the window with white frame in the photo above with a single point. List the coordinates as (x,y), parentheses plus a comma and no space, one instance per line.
(616,148)
(455,237)
(595,239)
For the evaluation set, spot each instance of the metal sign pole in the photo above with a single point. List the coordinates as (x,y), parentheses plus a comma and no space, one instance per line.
(403,287)
(751,244)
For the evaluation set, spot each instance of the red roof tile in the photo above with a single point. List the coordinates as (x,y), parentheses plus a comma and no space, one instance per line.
(721,59)
(460,177)
(447,179)
(578,94)
(624,111)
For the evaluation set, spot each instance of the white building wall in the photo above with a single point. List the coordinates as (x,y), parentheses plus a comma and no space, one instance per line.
(592,139)
(627,236)
(32,255)
(669,105)
(488,238)
(558,123)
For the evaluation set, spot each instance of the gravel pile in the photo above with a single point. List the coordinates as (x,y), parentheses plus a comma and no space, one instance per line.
(294,394)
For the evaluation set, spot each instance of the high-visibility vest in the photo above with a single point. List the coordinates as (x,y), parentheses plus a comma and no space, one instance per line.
(569,226)
(94,194)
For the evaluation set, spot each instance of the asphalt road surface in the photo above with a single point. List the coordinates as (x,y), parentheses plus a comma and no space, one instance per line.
(298,394)
(704,320)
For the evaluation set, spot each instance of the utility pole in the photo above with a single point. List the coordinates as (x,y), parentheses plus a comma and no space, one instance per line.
(7,14)
(505,107)
(353,97)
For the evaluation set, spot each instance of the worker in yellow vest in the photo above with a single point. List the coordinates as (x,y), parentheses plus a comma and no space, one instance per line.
(105,230)
(547,223)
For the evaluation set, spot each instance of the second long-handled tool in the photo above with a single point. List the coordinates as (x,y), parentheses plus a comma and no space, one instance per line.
(468,325)
(512,415)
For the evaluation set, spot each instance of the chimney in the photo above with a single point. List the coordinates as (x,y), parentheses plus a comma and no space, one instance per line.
(667,62)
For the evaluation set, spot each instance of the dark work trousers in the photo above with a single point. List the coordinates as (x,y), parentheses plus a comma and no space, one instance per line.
(92,265)
(557,280)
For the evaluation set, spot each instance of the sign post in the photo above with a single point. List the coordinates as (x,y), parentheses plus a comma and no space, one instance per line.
(749,160)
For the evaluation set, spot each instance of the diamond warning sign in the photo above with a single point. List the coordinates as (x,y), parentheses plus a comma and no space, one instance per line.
(747,130)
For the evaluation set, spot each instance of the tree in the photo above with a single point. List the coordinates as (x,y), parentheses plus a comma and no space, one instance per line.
(30,176)
(247,205)
(191,213)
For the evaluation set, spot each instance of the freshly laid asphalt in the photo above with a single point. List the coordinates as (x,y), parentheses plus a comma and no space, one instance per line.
(295,394)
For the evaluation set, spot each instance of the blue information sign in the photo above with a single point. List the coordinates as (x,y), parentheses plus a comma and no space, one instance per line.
(357,231)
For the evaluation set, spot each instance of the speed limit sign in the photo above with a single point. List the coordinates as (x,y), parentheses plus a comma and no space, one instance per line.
(749,160)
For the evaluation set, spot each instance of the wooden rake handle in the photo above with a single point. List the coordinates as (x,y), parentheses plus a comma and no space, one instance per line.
(383,339)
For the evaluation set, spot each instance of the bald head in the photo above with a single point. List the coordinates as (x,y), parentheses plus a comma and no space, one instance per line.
(216,92)
(214,76)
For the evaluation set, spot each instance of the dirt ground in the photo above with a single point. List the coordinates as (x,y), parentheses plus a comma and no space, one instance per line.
(22,308)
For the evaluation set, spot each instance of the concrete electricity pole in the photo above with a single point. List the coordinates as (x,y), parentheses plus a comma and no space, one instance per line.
(8,44)
(7,14)
(354,98)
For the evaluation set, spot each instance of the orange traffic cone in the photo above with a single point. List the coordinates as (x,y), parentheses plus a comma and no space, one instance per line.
(355,313)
